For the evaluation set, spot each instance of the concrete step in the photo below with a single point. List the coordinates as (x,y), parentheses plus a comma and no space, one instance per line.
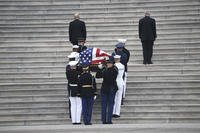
(164,77)
(33,98)
(16,92)
(97,37)
(162,101)
(160,49)
(17,55)
(134,97)
(63,62)
(34,80)
(127,120)
(162,90)
(92,27)
(130,90)
(181,108)
(96,117)
(53,72)
(32,32)
(93,13)
(29,104)
(46,2)
(117,128)
(142,76)
(61,20)
(164,96)
(177,107)
(152,84)
(34,90)
(163,83)
(136,46)
(166,4)
(62,58)
(100,15)
(11,111)
(112,41)
(60,71)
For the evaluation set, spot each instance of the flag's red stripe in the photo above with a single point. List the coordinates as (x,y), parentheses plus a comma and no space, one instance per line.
(100,53)
(97,61)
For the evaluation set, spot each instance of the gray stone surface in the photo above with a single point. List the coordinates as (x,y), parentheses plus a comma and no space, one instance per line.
(33,53)
(116,128)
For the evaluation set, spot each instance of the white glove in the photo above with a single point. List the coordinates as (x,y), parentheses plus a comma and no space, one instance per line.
(100,66)
(95,97)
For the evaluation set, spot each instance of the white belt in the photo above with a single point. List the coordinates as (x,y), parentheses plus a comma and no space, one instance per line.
(73,85)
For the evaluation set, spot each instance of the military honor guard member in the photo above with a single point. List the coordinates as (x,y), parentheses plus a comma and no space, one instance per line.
(147,34)
(108,91)
(77,29)
(119,51)
(127,52)
(88,91)
(120,85)
(73,92)
(74,55)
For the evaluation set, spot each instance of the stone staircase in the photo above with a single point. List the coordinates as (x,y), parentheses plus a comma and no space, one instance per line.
(34,47)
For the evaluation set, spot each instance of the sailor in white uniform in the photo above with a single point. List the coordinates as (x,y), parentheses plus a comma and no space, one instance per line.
(126,51)
(120,85)
(74,55)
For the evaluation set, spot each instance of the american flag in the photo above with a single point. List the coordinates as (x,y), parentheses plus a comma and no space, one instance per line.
(92,56)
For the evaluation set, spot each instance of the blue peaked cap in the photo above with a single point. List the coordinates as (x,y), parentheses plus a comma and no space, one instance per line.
(119,45)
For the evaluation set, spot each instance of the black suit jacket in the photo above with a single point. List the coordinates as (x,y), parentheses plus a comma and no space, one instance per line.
(77,29)
(147,29)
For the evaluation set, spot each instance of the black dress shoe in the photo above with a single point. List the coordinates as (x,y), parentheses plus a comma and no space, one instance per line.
(104,122)
(115,116)
(88,123)
(150,62)
(109,123)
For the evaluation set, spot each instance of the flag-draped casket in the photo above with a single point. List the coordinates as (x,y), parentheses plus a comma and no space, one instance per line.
(93,56)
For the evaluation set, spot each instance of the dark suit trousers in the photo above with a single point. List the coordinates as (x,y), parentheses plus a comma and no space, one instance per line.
(147,51)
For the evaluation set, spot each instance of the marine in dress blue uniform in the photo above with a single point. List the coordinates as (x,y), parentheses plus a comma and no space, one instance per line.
(73,92)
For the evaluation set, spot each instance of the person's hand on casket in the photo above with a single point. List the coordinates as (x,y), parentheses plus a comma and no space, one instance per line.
(100,66)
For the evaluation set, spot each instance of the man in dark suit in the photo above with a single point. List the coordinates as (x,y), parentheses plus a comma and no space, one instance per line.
(77,29)
(147,34)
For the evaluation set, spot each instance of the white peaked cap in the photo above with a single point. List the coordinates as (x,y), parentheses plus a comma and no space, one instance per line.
(117,56)
(73,63)
(122,40)
(75,46)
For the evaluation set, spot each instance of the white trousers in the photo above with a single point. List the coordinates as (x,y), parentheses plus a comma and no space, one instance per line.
(125,80)
(76,109)
(118,97)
